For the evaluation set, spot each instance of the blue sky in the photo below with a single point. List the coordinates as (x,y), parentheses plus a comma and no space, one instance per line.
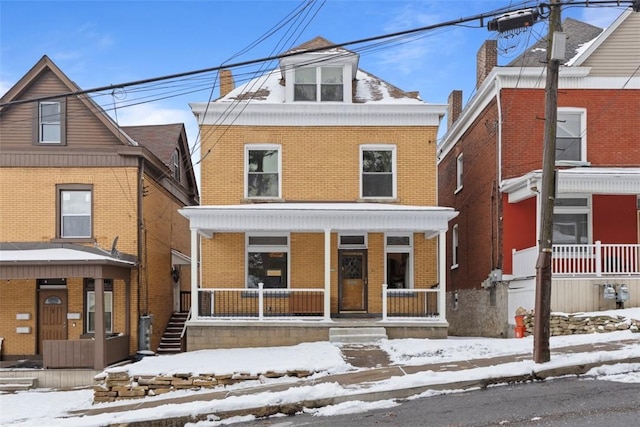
(99,43)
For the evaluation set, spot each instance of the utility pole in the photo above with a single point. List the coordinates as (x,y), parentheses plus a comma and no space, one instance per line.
(541,331)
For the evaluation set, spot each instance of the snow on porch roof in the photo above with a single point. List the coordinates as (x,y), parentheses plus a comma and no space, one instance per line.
(318,217)
(57,255)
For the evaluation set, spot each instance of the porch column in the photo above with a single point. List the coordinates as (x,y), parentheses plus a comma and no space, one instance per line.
(195,256)
(327,274)
(100,338)
(442,274)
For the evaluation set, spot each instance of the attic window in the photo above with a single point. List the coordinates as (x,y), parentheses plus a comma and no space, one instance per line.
(175,162)
(50,122)
(331,87)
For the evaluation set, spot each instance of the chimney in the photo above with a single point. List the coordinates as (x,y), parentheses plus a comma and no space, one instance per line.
(486,59)
(226,82)
(455,107)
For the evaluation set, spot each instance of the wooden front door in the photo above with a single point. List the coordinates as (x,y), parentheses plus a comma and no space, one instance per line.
(52,318)
(353,281)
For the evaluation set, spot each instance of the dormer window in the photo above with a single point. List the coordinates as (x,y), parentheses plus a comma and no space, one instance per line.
(330,89)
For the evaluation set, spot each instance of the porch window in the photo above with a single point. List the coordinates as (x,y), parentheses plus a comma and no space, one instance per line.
(571,135)
(268,261)
(74,211)
(398,261)
(454,247)
(378,165)
(90,306)
(50,122)
(331,86)
(263,168)
(571,221)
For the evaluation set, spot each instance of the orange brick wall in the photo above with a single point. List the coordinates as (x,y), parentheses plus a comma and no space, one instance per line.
(318,163)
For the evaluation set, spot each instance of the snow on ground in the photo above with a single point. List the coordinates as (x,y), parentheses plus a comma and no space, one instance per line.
(52,408)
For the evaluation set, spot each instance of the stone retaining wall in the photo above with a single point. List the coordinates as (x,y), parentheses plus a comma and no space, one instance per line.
(119,385)
(573,324)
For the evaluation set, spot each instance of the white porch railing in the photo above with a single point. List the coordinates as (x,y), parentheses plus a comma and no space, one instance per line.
(413,304)
(595,259)
(260,304)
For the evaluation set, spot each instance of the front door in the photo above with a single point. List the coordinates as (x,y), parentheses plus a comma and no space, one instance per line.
(352,281)
(52,321)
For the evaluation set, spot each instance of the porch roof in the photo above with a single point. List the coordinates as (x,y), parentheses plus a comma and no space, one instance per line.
(318,217)
(585,180)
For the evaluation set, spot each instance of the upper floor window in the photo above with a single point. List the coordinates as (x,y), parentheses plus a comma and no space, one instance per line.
(175,162)
(571,220)
(377,166)
(571,135)
(306,87)
(50,122)
(74,211)
(459,165)
(263,169)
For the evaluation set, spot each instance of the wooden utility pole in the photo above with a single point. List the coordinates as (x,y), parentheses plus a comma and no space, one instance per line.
(542,314)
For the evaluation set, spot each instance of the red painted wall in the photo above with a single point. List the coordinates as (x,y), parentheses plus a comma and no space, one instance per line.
(519,228)
(615,219)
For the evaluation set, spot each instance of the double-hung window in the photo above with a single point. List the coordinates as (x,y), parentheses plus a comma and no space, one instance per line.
(399,260)
(175,162)
(49,123)
(268,260)
(90,306)
(571,220)
(75,211)
(331,87)
(263,167)
(571,135)
(378,176)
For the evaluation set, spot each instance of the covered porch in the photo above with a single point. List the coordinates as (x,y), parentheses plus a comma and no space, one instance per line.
(336,265)
(55,273)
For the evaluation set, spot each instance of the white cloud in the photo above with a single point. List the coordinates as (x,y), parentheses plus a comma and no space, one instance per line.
(5,86)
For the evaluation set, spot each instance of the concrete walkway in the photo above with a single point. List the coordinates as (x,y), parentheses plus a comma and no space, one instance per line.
(372,366)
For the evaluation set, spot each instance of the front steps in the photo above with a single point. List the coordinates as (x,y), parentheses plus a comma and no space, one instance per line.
(171,341)
(17,384)
(357,335)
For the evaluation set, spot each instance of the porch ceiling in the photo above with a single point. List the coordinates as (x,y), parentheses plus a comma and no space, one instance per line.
(585,180)
(318,217)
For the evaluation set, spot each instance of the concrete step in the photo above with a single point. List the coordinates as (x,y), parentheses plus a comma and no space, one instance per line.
(17,384)
(356,335)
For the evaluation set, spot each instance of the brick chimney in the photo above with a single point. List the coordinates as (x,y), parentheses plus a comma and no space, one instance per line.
(486,59)
(227,84)
(455,107)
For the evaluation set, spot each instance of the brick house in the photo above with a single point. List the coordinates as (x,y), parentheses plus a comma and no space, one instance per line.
(489,169)
(89,220)
(318,207)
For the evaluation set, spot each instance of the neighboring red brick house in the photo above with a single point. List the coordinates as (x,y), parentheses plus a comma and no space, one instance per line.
(489,170)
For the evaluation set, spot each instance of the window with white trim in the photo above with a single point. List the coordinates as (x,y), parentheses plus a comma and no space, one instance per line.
(50,122)
(571,135)
(175,162)
(377,168)
(90,306)
(459,165)
(268,260)
(399,261)
(331,87)
(75,211)
(571,220)
(263,168)
(454,246)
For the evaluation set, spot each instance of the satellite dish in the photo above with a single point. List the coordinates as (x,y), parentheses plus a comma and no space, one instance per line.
(114,251)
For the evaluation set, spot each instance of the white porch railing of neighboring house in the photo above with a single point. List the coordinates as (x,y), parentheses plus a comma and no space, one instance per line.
(260,304)
(411,304)
(595,259)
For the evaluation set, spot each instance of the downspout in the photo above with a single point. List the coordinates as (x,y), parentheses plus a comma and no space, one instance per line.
(139,229)
(498,185)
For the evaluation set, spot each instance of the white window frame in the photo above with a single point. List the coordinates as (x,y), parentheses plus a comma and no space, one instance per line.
(62,214)
(175,160)
(319,83)
(45,122)
(400,249)
(579,210)
(108,311)
(261,147)
(394,169)
(455,246)
(582,112)
(459,172)
(267,248)
(342,245)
